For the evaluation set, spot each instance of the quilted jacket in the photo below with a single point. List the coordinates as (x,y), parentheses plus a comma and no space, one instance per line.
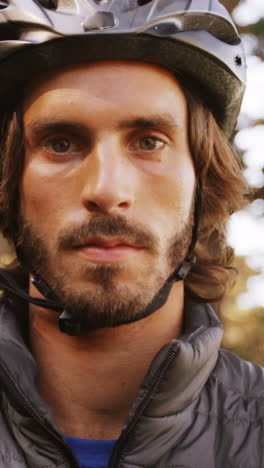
(198,406)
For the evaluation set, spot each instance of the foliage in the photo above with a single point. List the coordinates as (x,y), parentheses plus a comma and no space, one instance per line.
(257,29)
(244,329)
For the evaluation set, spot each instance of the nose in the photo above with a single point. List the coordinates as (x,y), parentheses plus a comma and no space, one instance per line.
(109,184)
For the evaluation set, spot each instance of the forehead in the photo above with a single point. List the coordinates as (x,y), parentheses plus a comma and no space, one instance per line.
(110,86)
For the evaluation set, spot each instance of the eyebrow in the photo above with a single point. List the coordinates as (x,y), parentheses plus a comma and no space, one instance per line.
(39,126)
(157,120)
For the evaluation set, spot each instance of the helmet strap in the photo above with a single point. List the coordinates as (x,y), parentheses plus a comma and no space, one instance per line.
(71,325)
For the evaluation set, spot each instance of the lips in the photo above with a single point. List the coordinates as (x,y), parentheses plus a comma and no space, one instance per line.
(105,250)
(106,243)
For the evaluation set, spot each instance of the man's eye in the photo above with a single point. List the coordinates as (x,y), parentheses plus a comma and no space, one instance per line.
(60,145)
(150,143)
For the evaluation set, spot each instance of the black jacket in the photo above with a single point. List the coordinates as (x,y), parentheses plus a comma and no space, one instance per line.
(198,407)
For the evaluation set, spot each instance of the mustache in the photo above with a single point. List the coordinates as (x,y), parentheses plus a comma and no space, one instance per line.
(114,226)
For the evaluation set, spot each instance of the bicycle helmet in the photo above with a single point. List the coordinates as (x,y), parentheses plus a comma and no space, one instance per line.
(197,37)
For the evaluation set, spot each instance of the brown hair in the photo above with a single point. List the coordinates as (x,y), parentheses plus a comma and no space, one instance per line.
(224,191)
(218,171)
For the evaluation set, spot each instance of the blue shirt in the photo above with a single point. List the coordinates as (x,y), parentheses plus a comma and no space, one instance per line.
(91,453)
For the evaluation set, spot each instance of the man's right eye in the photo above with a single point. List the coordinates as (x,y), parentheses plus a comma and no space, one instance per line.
(64,146)
(59,145)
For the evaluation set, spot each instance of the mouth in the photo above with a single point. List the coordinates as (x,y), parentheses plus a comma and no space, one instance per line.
(107,250)
(106,243)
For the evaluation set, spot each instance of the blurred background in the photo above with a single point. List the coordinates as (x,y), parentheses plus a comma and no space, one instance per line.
(243,310)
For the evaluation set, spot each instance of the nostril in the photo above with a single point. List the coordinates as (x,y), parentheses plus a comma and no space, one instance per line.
(123,205)
(105,206)
(93,206)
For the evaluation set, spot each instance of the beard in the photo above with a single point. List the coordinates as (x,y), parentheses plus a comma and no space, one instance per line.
(103,299)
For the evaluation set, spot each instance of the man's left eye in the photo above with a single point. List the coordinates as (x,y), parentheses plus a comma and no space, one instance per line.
(150,143)
(60,145)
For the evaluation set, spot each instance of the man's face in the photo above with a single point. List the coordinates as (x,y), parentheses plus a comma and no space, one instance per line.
(108,186)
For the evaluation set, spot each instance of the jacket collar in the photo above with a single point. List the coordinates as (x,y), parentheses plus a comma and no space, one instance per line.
(165,408)
(184,364)
(195,355)
(18,369)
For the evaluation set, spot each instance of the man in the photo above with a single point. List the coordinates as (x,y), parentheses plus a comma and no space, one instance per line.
(115,176)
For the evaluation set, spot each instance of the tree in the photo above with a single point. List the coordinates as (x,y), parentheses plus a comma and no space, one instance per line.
(244,328)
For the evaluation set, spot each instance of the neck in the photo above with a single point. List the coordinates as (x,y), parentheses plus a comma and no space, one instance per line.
(97,377)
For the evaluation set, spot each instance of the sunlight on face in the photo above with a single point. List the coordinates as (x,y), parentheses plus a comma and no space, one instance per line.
(108,186)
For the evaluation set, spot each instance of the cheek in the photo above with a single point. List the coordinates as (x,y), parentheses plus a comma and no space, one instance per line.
(182,186)
(40,195)
(172,194)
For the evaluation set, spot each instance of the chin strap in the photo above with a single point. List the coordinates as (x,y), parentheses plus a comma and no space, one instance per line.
(13,286)
(67,323)
(71,325)
(185,268)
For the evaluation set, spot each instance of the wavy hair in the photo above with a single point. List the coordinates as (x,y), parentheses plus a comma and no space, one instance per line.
(217,168)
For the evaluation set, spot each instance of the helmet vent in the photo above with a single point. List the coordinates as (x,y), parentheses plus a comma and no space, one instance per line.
(143,2)
(238,60)
(50,4)
(133,4)
(3,4)
(100,20)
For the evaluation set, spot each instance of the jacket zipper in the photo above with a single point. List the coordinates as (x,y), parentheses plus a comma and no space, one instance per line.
(121,442)
(20,404)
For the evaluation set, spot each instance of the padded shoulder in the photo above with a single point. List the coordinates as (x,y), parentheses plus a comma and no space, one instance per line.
(239,386)
(244,377)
